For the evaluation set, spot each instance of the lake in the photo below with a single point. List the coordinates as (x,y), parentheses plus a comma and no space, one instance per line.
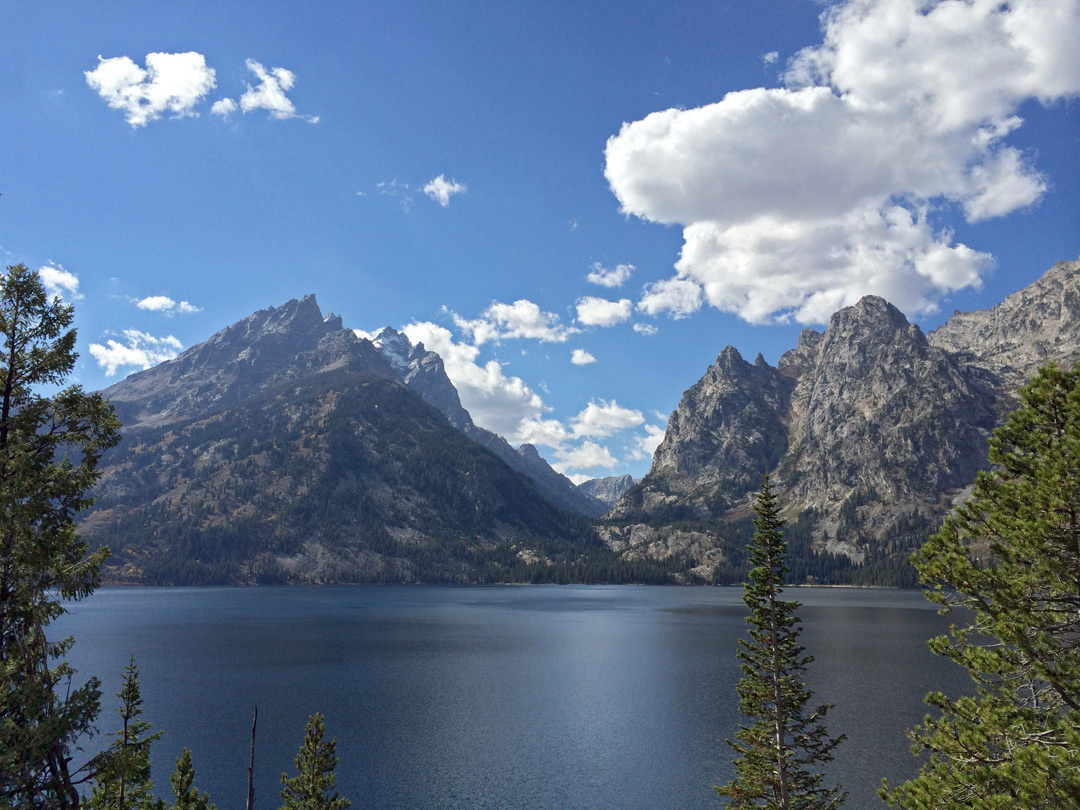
(498,697)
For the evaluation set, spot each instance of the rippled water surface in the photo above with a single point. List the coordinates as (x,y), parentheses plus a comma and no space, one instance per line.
(498,697)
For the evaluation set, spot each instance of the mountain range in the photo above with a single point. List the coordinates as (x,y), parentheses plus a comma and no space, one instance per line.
(289,448)
(871,429)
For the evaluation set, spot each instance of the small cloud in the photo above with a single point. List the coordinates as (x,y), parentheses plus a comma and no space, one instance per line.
(162,303)
(587,455)
(156,303)
(440,189)
(593,311)
(399,191)
(59,283)
(601,419)
(645,329)
(138,349)
(522,319)
(645,446)
(580,357)
(613,277)
(678,297)
(224,107)
(171,82)
(268,94)
(573,224)
(771,57)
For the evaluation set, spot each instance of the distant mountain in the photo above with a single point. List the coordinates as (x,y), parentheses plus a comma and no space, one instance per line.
(286,448)
(607,490)
(872,431)
(424,372)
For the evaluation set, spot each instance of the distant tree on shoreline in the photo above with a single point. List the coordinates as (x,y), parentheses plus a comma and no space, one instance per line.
(780,754)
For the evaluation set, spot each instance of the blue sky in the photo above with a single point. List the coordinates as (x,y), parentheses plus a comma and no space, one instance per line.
(577,204)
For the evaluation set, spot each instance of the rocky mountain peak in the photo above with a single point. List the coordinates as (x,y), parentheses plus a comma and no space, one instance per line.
(1037,325)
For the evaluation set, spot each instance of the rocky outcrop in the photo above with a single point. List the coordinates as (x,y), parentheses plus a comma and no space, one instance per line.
(1040,324)
(873,430)
(730,427)
(607,490)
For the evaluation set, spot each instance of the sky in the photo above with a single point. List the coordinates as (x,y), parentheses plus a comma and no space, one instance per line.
(577,204)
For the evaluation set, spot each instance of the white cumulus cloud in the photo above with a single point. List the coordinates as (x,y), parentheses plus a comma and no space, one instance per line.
(162,303)
(644,446)
(585,456)
(171,83)
(496,401)
(601,419)
(440,189)
(137,349)
(580,357)
(609,276)
(59,283)
(592,311)
(269,94)
(800,199)
(521,319)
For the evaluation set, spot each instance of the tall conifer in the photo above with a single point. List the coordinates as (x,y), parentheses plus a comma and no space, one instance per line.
(781,753)
(1010,555)
(315,764)
(123,770)
(51,439)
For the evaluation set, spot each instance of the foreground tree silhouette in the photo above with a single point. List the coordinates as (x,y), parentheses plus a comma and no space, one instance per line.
(122,780)
(314,773)
(781,753)
(1011,555)
(50,444)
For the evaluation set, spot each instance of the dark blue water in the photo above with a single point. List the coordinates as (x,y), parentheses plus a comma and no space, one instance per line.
(498,697)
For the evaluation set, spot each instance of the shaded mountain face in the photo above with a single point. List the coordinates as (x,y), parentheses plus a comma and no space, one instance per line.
(424,372)
(285,448)
(607,490)
(872,430)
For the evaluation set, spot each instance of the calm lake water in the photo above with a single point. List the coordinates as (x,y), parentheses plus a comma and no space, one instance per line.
(498,697)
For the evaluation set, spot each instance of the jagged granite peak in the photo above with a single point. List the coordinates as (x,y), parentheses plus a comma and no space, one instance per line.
(1037,325)
(883,418)
(795,361)
(424,372)
(607,490)
(728,430)
(263,348)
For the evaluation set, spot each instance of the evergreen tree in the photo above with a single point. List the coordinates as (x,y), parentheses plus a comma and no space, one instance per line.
(1011,556)
(781,752)
(50,442)
(123,770)
(314,773)
(182,781)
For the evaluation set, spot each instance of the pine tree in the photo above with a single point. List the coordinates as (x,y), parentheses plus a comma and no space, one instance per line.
(182,781)
(123,770)
(780,754)
(315,773)
(1011,556)
(50,442)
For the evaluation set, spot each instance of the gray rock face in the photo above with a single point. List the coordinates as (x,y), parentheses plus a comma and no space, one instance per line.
(268,347)
(424,372)
(729,428)
(1040,324)
(607,490)
(872,425)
